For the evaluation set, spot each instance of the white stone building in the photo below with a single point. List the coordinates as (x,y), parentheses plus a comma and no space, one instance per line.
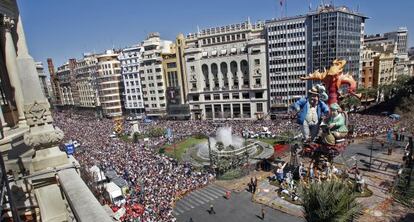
(152,78)
(130,59)
(226,72)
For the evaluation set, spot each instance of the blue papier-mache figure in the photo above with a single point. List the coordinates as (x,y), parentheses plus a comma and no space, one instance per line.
(310,111)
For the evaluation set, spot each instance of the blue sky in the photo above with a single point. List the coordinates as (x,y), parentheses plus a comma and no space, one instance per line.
(63,29)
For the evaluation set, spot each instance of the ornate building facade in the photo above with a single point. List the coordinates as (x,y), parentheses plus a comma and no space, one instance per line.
(226,72)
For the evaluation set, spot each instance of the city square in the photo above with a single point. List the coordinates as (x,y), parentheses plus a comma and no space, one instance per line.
(278,111)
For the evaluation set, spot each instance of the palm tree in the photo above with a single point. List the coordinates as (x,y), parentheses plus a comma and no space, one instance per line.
(330,201)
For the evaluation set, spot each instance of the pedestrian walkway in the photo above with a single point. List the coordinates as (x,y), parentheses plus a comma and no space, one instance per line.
(197,198)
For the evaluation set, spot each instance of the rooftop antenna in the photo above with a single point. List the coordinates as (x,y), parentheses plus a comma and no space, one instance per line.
(282,4)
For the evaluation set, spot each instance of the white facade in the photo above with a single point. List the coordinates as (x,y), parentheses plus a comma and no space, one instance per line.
(151,72)
(109,84)
(226,72)
(286,42)
(86,82)
(130,59)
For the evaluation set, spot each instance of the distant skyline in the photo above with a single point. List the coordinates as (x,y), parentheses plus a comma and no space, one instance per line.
(61,30)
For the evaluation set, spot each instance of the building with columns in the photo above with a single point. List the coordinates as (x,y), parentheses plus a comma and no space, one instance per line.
(153,84)
(110,85)
(226,72)
(130,59)
(52,189)
(64,77)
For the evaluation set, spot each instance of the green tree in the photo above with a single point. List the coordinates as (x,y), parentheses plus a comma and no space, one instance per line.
(350,101)
(330,201)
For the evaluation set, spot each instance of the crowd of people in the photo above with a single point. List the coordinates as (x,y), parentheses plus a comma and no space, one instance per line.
(370,125)
(157,178)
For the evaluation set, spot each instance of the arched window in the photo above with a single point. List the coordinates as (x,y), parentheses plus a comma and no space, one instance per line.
(244,67)
(214,69)
(223,68)
(233,68)
(204,69)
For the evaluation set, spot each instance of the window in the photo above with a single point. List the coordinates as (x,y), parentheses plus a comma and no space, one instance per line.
(245,95)
(171,65)
(236,96)
(226,96)
(207,97)
(257,61)
(195,97)
(216,96)
(259,95)
(259,107)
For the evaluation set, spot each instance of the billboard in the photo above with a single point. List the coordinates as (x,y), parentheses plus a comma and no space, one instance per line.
(173,96)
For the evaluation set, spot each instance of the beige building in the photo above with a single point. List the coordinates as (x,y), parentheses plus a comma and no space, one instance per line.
(384,68)
(153,82)
(227,73)
(176,80)
(86,80)
(367,77)
(110,84)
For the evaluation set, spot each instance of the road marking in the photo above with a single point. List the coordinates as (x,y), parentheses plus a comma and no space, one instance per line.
(208,194)
(191,201)
(204,196)
(186,207)
(218,188)
(179,210)
(193,197)
(216,192)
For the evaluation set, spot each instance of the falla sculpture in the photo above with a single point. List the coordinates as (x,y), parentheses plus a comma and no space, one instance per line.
(331,134)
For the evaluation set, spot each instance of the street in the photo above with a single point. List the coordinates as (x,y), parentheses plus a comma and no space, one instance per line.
(239,208)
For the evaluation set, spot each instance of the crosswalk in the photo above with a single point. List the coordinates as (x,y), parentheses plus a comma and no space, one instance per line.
(197,198)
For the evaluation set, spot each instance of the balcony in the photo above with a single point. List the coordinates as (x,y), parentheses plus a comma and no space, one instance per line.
(245,86)
(193,89)
(257,86)
(216,88)
(206,89)
(225,88)
(235,87)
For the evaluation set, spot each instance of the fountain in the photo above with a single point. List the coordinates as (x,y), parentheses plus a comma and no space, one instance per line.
(225,152)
